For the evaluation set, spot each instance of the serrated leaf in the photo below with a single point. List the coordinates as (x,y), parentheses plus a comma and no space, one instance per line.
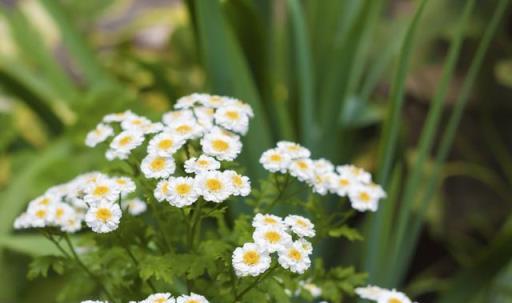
(347,232)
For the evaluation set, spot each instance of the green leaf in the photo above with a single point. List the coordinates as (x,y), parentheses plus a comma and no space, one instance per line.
(158,267)
(40,266)
(347,232)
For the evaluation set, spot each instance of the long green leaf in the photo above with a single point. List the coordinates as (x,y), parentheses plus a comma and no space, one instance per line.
(427,138)
(228,74)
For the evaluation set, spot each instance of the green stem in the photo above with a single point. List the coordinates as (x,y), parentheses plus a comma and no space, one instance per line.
(254,283)
(158,223)
(86,269)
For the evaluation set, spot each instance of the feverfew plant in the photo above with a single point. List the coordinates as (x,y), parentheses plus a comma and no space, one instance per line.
(158,223)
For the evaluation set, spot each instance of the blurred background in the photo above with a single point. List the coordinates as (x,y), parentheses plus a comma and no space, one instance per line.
(365,82)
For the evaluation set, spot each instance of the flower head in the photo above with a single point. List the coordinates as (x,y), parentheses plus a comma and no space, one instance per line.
(268,220)
(103,217)
(275,160)
(98,135)
(300,226)
(159,298)
(165,144)
(192,298)
(241,185)
(294,258)
(221,145)
(271,238)
(156,166)
(182,191)
(250,260)
(232,118)
(214,186)
(201,164)
(134,206)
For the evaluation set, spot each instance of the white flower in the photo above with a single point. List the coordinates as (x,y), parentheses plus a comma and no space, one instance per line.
(294,150)
(162,190)
(103,217)
(321,182)
(201,164)
(300,226)
(44,200)
(214,186)
(39,215)
(136,123)
(164,144)
(370,292)
(185,129)
(306,245)
(23,221)
(178,115)
(134,206)
(341,184)
(155,166)
(159,298)
(193,298)
(125,185)
(354,173)
(241,184)
(61,213)
(118,117)
(302,169)
(204,116)
(232,118)
(125,142)
(98,135)
(102,189)
(268,220)
(250,260)
(221,145)
(214,101)
(294,258)
(275,160)
(182,191)
(393,296)
(323,166)
(190,100)
(72,224)
(271,239)
(365,197)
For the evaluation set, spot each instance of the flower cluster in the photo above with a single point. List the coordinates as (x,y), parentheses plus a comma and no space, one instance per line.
(382,295)
(165,298)
(215,122)
(274,235)
(91,197)
(323,176)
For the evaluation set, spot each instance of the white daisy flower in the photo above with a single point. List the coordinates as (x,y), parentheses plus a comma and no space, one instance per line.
(190,100)
(214,101)
(185,129)
(354,173)
(61,213)
(112,154)
(294,258)
(370,292)
(118,117)
(214,186)
(172,117)
(365,197)
(136,123)
(393,296)
(134,206)
(250,260)
(301,226)
(205,116)
(182,191)
(306,245)
(98,135)
(302,169)
(44,200)
(244,107)
(275,160)
(72,224)
(159,298)
(221,145)
(102,189)
(155,166)
(232,118)
(40,215)
(202,164)
(294,150)
(268,220)
(162,190)
(23,221)
(342,184)
(271,238)
(125,142)
(241,184)
(125,185)
(320,182)
(323,166)
(103,217)
(164,144)
(193,298)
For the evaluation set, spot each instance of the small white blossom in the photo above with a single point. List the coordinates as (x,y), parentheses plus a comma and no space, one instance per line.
(294,258)
(300,226)
(155,166)
(275,160)
(134,206)
(241,184)
(165,144)
(250,260)
(232,118)
(261,220)
(98,135)
(272,239)
(221,145)
(201,164)
(103,217)
(214,186)
(182,191)
(294,150)
(192,298)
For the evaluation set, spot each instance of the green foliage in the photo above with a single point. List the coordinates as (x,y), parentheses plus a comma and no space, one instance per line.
(40,266)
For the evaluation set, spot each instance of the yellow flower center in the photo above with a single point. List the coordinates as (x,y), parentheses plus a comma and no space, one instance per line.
(270,220)
(183,129)
(344,182)
(183,189)
(125,140)
(213,184)
(275,158)
(294,254)
(59,213)
(136,121)
(103,214)
(160,300)
(394,300)
(121,181)
(192,301)
(251,257)
(302,223)
(237,181)
(101,190)
(202,162)
(302,165)
(165,188)
(293,147)
(44,201)
(41,214)
(272,236)
(220,145)
(165,144)
(232,115)
(364,196)
(158,164)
